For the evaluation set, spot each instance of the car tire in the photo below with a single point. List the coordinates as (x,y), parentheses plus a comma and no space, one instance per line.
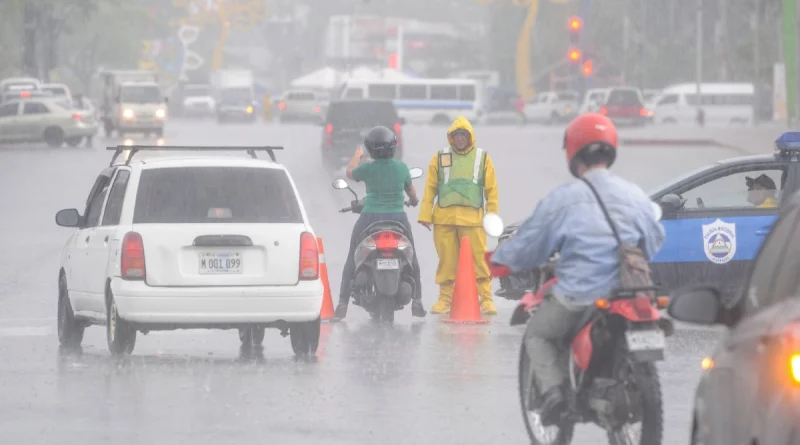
(121,336)
(54,137)
(74,142)
(70,330)
(304,336)
(252,336)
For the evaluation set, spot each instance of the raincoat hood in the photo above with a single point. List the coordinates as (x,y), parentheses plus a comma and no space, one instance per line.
(461,123)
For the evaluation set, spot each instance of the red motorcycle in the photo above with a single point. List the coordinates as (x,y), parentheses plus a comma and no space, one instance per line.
(610,359)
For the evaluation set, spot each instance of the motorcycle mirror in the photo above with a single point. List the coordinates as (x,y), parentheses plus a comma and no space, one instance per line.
(339,184)
(493,225)
(658,210)
(415,172)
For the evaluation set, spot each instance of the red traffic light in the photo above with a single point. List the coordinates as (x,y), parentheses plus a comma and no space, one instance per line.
(588,68)
(575,23)
(574,55)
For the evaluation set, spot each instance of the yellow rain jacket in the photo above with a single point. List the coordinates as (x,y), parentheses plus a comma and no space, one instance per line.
(769,203)
(458,215)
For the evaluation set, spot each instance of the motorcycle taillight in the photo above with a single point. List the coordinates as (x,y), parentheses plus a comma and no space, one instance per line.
(387,240)
(642,306)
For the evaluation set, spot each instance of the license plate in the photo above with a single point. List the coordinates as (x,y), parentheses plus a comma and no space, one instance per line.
(220,263)
(645,340)
(391,264)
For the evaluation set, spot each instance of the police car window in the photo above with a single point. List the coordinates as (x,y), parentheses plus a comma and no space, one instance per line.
(747,189)
(756,294)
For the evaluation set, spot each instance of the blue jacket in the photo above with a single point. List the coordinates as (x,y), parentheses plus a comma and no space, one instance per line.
(569,220)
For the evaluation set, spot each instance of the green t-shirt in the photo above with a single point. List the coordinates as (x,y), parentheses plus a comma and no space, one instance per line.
(386,181)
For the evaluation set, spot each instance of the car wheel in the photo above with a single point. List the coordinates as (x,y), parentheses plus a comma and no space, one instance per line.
(70,330)
(251,336)
(120,334)
(305,337)
(74,142)
(54,136)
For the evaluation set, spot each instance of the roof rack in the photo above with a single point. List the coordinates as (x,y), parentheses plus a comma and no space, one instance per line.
(137,148)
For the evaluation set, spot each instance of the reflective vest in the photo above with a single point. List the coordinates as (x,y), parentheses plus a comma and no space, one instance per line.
(461,184)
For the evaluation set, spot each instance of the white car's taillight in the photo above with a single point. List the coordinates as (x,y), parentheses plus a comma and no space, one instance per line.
(309,257)
(132,261)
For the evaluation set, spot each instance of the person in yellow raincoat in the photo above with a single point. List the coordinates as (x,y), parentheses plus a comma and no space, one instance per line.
(267,107)
(461,178)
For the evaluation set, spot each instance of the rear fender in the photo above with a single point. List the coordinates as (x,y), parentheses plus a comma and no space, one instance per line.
(638,309)
(582,347)
(528,303)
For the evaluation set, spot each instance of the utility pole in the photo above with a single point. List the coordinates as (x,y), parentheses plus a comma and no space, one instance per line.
(789,13)
(642,43)
(29,65)
(756,62)
(699,61)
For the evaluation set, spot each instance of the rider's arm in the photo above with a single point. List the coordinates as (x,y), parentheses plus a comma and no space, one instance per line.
(411,191)
(352,166)
(490,187)
(431,184)
(536,238)
(652,230)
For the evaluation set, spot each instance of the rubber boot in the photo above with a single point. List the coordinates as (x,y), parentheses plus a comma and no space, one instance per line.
(341,309)
(417,309)
(445,299)
(487,306)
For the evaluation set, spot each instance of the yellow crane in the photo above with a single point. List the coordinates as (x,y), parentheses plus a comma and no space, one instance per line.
(523,58)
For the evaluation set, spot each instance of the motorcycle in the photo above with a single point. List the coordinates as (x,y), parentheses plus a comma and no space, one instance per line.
(384,280)
(610,360)
(514,286)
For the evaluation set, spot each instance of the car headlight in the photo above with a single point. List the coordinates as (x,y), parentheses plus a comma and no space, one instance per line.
(161,113)
(127,113)
(250,110)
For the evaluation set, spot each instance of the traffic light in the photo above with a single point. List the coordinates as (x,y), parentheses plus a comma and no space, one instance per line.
(588,68)
(575,27)
(574,55)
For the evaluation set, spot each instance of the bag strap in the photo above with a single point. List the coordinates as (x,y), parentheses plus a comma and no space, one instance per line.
(605,211)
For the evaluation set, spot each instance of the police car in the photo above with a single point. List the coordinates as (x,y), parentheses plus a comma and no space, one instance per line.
(717,217)
(204,242)
(749,392)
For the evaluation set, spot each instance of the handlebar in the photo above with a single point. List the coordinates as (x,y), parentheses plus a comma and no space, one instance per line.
(346,209)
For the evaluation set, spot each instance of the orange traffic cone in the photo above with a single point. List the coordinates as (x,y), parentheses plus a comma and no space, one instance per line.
(327,312)
(465,307)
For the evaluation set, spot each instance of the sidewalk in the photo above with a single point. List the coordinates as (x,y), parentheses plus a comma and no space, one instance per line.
(746,140)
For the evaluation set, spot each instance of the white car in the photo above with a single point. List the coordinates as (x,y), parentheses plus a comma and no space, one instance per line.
(204,242)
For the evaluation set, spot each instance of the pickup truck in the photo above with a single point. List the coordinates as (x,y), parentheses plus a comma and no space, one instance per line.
(552,107)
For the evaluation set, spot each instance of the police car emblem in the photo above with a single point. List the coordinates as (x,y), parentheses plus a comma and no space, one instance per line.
(719,241)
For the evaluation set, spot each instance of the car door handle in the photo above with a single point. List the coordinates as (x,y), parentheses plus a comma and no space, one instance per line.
(105,240)
(88,238)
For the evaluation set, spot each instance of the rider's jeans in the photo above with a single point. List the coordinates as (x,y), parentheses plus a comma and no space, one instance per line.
(544,338)
(364,221)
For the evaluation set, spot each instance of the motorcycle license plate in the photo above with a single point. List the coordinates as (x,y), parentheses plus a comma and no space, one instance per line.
(645,340)
(388,264)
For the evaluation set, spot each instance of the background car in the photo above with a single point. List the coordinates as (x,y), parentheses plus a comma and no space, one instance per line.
(47,121)
(625,106)
(301,105)
(348,121)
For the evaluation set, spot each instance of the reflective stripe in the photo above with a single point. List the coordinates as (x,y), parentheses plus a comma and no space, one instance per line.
(447,169)
(477,167)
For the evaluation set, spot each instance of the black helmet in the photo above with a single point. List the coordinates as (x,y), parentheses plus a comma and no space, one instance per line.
(380,142)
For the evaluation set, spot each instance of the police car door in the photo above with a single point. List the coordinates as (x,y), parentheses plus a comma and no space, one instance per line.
(717,232)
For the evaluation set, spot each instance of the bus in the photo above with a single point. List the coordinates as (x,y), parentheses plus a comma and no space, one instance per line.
(421,101)
(722,103)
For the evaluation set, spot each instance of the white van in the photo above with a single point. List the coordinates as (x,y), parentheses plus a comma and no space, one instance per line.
(723,103)
(422,101)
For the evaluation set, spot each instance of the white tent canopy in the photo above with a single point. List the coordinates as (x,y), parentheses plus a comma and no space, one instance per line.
(323,79)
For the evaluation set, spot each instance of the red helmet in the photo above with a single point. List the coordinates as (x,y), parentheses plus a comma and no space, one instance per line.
(588,133)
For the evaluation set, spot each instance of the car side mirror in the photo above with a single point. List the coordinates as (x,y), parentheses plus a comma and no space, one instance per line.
(699,304)
(415,172)
(671,203)
(68,218)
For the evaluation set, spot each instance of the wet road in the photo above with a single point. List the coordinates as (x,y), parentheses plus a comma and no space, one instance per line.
(421,382)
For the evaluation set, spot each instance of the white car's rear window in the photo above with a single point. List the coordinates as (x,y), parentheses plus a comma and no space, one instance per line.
(186,195)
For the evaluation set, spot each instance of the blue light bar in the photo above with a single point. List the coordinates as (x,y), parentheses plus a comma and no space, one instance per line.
(789,141)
